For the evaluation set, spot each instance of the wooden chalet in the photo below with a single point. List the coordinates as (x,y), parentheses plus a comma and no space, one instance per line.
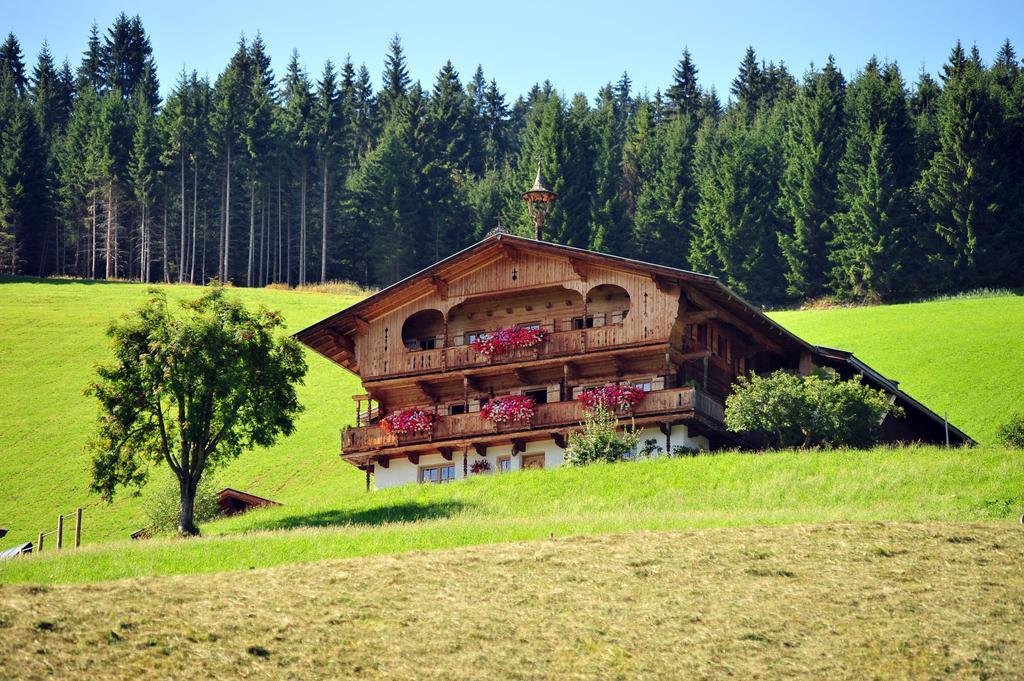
(681,336)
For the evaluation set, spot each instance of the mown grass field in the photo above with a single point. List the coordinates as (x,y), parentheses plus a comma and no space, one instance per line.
(964,355)
(727,490)
(831,601)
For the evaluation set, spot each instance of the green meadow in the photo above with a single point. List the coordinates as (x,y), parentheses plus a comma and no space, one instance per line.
(961,355)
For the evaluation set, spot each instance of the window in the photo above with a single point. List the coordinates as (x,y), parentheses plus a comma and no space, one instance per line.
(504,464)
(644,385)
(540,395)
(427,343)
(470,336)
(442,473)
(583,322)
(529,325)
(456,409)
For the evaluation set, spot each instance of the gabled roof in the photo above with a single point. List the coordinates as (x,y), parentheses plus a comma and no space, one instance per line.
(325,335)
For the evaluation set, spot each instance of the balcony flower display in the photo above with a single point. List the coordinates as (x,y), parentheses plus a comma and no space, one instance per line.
(509,409)
(480,466)
(408,421)
(613,397)
(508,338)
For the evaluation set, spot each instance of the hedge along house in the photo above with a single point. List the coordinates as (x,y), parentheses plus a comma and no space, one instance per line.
(477,363)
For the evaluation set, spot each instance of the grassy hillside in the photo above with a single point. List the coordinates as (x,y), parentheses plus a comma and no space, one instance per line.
(822,602)
(964,355)
(51,334)
(910,484)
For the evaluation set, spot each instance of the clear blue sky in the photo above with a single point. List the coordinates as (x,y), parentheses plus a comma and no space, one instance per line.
(577,45)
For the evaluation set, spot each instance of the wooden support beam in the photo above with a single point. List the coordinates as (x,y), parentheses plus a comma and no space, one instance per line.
(425,388)
(508,251)
(362,326)
(446,453)
(518,445)
(570,371)
(473,383)
(579,268)
(521,375)
(413,457)
(440,286)
(700,316)
(620,365)
(481,448)
(724,316)
(340,340)
(383,461)
(682,357)
(560,438)
(662,284)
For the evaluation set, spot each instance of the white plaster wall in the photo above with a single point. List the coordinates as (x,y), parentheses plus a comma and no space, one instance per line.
(403,472)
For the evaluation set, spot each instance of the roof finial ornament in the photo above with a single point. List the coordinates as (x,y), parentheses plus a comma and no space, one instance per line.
(539,200)
(497,229)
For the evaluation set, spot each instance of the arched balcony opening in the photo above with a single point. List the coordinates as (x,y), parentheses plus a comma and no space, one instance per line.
(607,304)
(423,330)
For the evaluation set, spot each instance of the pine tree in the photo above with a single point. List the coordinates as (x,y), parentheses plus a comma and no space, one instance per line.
(227,119)
(328,125)
(814,146)
(12,62)
(301,139)
(21,168)
(610,231)
(684,96)
(749,84)
(259,144)
(874,231)
(143,169)
(962,182)
(395,78)
(90,71)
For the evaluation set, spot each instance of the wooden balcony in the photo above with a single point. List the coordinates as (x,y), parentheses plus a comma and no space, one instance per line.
(561,340)
(552,416)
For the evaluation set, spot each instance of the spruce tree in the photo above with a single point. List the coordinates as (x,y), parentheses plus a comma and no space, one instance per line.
(395,78)
(301,139)
(328,127)
(814,146)
(12,62)
(610,231)
(684,96)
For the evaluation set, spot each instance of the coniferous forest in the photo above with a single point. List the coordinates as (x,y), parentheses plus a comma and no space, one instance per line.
(867,186)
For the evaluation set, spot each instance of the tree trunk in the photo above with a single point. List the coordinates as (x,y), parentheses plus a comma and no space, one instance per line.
(323,241)
(109,243)
(181,250)
(227,220)
(186,515)
(277,269)
(92,257)
(195,221)
(163,240)
(302,227)
(252,231)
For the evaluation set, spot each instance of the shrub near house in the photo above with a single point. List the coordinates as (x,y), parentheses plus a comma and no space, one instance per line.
(806,411)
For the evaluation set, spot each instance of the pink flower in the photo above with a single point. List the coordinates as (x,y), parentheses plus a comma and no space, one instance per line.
(508,338)
(614,397)
(408,421)
(510,408)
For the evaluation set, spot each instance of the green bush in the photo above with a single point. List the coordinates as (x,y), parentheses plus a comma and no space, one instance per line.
(164,509)
(1011,433)
(600,440)
(807,411)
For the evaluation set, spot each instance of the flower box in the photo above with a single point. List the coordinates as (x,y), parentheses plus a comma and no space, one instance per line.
(509,409)
(508,338)
(613,397)
(408,422)
(480,466)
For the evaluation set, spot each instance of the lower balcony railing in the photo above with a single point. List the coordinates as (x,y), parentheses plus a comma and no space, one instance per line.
(548,416)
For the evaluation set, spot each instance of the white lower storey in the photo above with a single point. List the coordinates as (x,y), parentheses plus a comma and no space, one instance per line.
(401,471)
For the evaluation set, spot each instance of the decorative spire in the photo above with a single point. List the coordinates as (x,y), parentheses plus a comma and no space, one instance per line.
(539,200)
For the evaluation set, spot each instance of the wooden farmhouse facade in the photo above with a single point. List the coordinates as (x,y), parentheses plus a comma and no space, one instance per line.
(680,337)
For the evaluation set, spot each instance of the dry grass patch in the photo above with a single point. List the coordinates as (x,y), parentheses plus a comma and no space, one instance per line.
(816,601)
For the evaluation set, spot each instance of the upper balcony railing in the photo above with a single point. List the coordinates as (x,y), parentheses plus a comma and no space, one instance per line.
(548,416)
(571,336)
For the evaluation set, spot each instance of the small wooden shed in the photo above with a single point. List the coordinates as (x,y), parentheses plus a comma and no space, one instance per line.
(233,501)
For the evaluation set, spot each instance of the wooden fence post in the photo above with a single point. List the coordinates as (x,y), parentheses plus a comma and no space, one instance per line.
(60,531)
(39,544)
(78,527)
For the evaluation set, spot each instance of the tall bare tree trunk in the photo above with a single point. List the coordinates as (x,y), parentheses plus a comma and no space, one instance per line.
(109,241)
(163,239)
(92,256)
(181,249)
(302,227)
(323,240)
(227,221)
(277,270)
(252,230)
(195,219)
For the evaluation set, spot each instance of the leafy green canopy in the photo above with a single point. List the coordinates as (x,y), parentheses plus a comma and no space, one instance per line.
(600,440)
(806,411)
(191,390)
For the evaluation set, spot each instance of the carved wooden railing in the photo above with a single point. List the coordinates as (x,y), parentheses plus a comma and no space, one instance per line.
(551,415)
